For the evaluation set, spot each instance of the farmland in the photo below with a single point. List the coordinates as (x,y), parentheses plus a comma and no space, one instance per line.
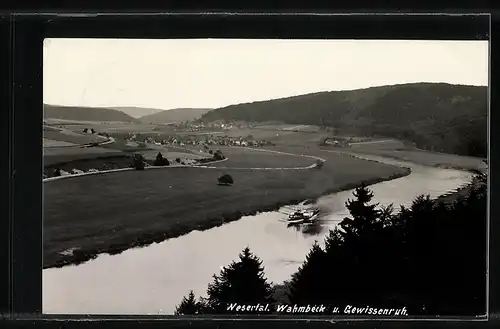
(135,208)
(244,158)
(152,205)
(397,150)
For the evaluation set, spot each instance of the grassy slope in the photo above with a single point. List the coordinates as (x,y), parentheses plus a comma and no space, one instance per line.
(80,113)
(174,115)
(439,117)
(136,112)
(142,207)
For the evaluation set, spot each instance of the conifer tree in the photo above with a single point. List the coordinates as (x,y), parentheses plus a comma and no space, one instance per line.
(364,215)
(307,284)
(189,305)
(359,248)
(241,282)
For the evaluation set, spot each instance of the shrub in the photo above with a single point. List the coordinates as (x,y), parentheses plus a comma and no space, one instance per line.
(178,160)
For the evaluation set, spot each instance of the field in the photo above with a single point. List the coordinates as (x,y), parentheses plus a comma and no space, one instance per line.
(239,157)
(142,207)
(53,155)
(54,143)
(67,135)
(134,208)
(397,150)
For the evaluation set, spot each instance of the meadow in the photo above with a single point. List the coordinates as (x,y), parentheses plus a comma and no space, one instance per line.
(126,209)
(122,210)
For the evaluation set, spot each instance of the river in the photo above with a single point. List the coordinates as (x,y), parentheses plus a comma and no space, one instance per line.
(153,279)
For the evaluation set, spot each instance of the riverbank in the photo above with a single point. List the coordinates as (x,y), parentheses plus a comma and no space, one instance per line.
(133,209)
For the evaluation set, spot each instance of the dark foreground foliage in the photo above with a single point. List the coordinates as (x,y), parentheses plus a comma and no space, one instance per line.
(242,282)
(429,257)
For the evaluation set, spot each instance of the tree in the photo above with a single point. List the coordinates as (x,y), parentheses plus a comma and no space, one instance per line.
(160,160)
(138,161)
(241,282)
(178,160)
(57,172)
(85,130)
(225,180)
(218,155)
(364,215)
(189,305)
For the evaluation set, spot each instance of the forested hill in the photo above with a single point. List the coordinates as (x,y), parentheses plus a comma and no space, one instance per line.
(436,116)
(79,113)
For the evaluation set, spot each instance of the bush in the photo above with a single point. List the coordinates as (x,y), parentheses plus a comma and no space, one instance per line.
(178,160)
(225,180)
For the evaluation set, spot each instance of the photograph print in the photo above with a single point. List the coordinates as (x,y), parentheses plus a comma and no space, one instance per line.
(199,177)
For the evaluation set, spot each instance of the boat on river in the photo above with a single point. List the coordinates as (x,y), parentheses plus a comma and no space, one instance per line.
(304,216)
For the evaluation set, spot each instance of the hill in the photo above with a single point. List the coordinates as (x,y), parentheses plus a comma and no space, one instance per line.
(175,115)
(136,112)
(434,116)
(79,113)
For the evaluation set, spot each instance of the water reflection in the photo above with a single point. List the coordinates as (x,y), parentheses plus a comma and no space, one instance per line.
(312,229)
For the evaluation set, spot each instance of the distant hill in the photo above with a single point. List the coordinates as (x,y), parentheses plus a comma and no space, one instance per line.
(136,112)
(79,113)
(175,115)
(435,116)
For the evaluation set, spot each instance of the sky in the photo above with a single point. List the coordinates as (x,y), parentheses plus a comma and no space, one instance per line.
(211,73)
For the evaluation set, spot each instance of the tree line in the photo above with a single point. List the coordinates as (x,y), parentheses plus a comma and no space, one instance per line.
(429,257)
